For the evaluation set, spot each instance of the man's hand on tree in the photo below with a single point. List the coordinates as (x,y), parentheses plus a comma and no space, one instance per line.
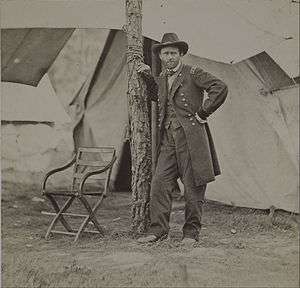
(142,68)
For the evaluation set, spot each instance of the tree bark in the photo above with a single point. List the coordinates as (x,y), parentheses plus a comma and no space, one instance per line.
(140,134)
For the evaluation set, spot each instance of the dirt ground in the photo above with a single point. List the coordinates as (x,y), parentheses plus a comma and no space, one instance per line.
(239,247)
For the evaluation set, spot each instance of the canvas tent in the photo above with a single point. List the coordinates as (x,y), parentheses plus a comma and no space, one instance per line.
(33,134)
(99,106)
(255,131)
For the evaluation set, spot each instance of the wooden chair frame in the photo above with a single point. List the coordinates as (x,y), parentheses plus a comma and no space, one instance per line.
(60,213)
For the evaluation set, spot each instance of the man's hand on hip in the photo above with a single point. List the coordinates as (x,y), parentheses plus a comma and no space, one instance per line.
(200,120)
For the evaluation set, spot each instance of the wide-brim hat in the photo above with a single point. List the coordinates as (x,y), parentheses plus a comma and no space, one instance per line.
(170,39)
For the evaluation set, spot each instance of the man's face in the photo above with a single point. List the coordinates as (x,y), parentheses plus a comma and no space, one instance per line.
(170,57)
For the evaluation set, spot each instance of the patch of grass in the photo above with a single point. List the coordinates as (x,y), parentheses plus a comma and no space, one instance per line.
(95,261)
(249,220)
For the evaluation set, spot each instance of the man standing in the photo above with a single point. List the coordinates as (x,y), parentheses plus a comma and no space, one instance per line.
(185,146)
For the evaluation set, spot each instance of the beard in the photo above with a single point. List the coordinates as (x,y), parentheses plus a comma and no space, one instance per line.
(171,64)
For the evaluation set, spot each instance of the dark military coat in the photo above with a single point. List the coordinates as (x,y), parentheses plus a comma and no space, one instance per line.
(186,94)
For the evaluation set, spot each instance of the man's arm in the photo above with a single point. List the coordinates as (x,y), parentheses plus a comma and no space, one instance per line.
(216,91)
(152,87)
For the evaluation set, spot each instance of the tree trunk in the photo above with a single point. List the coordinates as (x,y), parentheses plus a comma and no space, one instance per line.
(140,134)
(156,69)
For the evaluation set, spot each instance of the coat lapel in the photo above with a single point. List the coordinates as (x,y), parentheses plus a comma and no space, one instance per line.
(177,81)
(163,86)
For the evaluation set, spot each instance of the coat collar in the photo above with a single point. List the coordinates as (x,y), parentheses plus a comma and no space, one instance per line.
(164,73)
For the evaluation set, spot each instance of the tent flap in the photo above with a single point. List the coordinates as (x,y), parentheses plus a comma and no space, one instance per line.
(272,76)
(27,54)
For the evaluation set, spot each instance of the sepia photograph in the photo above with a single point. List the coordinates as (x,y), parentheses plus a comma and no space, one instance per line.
(150,143)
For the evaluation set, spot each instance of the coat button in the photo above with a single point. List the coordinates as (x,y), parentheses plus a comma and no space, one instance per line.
(182,94)
(183,99)
(193,123)
(191,118)
(185,104)
(189,114)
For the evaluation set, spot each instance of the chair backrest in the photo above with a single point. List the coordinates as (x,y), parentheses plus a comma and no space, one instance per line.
(89,159)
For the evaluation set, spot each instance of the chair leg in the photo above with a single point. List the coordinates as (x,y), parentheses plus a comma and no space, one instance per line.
(59,215)
(88,218)
(81,228)
(56,208)
(91,212)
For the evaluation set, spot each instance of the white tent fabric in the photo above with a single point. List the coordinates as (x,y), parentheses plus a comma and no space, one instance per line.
(289,106)
(99,109)
(227,31)
(36,104)
(34,135)
(83,48)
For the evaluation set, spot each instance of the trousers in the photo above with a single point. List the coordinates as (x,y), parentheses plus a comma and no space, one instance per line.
(174,162)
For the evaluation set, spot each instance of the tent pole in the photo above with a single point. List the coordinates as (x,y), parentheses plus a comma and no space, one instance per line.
(139,114)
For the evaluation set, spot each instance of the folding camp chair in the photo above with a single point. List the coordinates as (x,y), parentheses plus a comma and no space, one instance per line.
(89,164)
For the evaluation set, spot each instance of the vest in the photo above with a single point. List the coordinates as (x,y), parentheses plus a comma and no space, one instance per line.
(170,116)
